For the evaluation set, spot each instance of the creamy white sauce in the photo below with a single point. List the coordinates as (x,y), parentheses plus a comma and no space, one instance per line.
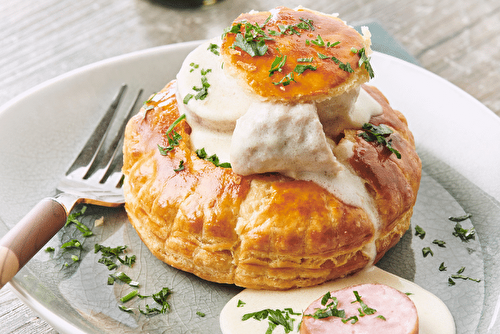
(434,316)
(275,137)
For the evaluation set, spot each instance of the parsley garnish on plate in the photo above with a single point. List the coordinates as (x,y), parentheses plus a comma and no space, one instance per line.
(419,232)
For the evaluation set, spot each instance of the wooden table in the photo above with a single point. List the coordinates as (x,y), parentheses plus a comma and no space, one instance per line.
(39,40)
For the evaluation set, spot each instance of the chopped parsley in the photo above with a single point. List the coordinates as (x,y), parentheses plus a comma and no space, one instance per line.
(148,107)
(202,91)
(50,249)
(427,251)
(121,276)
(72,244)
(321,43)
(286,79)
(160,298)
(172,136)
(419,232)
(275,318)
(460,218)
(252,40)
(374,133)
(81,227)
(110,255)
(364,60)
(202,154)
(442,267)
(459,275)
(366,310)
(200,314)
(291,29)
(278,63)
(129,296)
(240,303)
(181,166)
(214,48)
(299,68)
(464,234)
(330,309)
(305,60)
(440,243)
(193,67)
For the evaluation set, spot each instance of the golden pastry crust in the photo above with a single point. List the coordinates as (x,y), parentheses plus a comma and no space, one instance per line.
(327,80)
(261,231)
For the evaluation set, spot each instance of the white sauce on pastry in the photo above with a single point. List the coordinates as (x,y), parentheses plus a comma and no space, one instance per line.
(256,136)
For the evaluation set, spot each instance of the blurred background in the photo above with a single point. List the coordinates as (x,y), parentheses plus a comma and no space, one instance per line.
(39,40)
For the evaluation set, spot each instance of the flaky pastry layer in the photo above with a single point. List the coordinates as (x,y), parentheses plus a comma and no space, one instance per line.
(261,231)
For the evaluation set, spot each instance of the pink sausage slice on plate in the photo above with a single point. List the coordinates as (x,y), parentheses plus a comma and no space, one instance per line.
(361,309)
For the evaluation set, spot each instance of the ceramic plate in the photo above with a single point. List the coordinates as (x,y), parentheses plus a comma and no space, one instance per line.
(42,131)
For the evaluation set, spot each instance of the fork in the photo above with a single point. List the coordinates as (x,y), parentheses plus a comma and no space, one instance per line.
(94,178)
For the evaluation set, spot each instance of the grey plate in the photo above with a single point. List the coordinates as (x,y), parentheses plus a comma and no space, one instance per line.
(42,131)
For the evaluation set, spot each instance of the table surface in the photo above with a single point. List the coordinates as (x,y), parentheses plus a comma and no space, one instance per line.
(39,40)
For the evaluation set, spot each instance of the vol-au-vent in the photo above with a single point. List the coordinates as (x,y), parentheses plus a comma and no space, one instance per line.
(268,162)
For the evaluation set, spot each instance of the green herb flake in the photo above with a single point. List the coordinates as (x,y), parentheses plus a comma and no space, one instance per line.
(240,303)
(275,318)
(381,317)
(214,48)
(129,296)
(299,68)
(253,42)
(366,310)
(161,299)
(173,137)
(305,60)
(121,276)
(126,309)
(419,231)
(364,60)
(460,218)
(181,166)
(374,133)
(442,267)
(72,219)
(71,244)
(50,249)
(318,41)
(322,56)
(427,251)
(109,255)
(330,309)
(464,234)
(440,243)
(200,314)
(278,63)
(202,154)
(286,80)
(354,319)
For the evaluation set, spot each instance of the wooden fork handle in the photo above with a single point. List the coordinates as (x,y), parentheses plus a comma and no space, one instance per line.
(23,241)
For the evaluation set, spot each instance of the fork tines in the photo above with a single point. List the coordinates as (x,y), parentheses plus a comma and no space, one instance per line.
(99,157)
